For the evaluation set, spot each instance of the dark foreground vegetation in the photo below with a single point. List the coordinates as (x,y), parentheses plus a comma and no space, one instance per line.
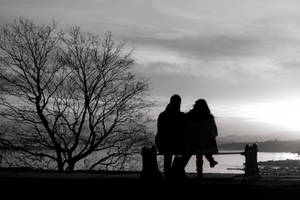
(280,168)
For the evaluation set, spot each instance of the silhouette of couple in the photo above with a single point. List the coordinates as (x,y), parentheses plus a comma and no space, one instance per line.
(184,134)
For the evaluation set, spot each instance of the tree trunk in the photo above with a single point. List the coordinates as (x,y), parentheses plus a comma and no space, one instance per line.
(60,165)
(71,166)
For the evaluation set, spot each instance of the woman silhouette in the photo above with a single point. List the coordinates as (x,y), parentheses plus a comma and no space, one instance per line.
(200,138)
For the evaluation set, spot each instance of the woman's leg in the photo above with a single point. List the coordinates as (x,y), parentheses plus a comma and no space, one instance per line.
(210,158)
(179,164)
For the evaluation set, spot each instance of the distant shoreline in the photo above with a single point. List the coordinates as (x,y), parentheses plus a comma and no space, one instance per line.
(265,146)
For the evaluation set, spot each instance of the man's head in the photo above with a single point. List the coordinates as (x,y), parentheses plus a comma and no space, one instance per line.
(175,102)
(175,99)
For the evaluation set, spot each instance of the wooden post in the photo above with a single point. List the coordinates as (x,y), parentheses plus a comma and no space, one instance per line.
(150,167)
(251,168)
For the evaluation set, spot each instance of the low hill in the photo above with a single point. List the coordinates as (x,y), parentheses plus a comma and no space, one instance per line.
(282,136)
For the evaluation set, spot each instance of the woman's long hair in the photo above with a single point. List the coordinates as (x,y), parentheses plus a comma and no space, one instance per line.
(202,109)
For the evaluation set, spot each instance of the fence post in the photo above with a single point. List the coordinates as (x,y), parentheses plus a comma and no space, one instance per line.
(251,167)
(150,167)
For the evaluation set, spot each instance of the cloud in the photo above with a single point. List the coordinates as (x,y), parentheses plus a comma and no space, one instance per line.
(291,64)
(202,47)
(230,51)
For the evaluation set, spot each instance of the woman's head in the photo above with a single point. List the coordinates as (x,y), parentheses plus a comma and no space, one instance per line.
(201,106)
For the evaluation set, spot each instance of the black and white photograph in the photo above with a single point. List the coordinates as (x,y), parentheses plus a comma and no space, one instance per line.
(150,99)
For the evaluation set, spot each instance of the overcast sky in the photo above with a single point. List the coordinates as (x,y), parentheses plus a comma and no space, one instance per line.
(242,56)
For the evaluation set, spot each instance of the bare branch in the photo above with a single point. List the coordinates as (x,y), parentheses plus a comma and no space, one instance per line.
(74,93)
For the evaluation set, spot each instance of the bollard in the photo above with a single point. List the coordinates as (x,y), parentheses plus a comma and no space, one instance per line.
(251,167)
(150,167)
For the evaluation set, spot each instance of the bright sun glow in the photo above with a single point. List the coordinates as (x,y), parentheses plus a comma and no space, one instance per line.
(285,114)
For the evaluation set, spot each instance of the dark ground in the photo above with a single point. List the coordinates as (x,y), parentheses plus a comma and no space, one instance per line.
(119,185)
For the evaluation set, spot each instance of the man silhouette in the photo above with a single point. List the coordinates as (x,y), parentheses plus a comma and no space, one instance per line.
(168,139)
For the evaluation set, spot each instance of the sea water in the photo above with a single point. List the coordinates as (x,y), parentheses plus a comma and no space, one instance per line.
(235,163)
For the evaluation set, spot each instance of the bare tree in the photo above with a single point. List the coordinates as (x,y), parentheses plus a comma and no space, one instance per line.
(71,96)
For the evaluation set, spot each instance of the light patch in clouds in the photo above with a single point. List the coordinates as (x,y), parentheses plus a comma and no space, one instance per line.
(144,55)
(229,71)
(285,114)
